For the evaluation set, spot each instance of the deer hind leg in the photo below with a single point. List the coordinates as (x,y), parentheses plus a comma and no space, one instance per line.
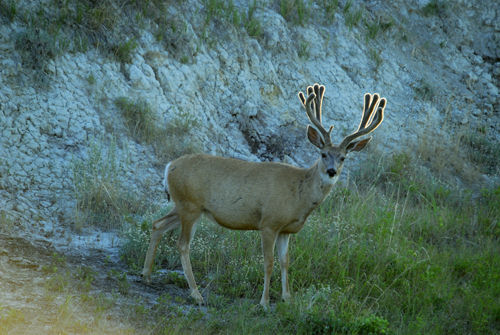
(187,233)
(282,246)
(268,242)
(160,226)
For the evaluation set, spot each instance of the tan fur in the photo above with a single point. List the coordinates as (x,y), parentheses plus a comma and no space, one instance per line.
(272,198)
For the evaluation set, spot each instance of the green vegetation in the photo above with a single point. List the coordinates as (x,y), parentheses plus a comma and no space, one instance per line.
(139,119)
(481,151)
(392,251)
(373,28)
(102,199)
(169,141)
(423,90)
(125,51)
(295,11)
(226,13)
(352,17)
(303,49)
(434,8)
(8,10)
(376,58)
(330,8)
(252,24)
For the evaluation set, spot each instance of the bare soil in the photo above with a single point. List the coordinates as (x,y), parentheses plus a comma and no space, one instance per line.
(45,291)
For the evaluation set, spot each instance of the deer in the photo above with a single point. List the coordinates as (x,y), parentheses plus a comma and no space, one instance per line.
(270,197)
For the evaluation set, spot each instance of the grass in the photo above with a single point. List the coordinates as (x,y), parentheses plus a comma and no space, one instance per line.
(352,17)
(125,51)
(226,14)
(168,141)
(252,24)
(101,197)
(330,8)
(376,58)
(377,26)
(424,90)
(8,10)
(139,119)
(394,250)
(482,151)
(434,8)
(295,11)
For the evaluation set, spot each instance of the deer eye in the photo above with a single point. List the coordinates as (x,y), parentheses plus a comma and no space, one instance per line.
(323,155)
(342,159)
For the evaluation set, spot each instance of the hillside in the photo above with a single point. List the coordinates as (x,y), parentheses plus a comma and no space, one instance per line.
(97,96)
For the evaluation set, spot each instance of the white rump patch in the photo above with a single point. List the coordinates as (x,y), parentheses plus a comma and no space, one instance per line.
(165,178)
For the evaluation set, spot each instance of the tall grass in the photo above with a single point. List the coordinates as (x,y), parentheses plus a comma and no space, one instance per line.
(102,199)
(390,251)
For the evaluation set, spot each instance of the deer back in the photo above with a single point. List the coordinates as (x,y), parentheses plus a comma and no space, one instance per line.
(242,195)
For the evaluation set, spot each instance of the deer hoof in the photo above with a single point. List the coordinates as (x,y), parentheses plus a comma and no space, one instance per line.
(265,305)
(197,297)
(146,277)
(287,297)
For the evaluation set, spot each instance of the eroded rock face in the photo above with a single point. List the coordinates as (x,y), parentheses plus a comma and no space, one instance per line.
(241,93)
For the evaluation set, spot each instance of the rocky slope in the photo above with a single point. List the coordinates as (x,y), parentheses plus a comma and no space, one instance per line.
(213,87)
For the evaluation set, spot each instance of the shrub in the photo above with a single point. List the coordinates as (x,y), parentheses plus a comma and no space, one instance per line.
(295,11)
(139,119)
(101,197)
(394,250)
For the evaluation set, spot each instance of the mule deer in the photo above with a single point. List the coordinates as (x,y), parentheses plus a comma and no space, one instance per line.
(273,198)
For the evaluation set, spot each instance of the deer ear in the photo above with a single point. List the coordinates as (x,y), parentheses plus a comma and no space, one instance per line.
(358,145)
(314,137)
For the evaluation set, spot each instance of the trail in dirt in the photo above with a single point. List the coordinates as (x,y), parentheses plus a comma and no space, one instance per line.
(43,291)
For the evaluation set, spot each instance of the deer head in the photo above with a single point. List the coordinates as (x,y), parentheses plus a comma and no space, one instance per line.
(333,156)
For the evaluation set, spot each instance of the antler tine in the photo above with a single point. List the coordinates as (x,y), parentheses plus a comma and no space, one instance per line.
(369,120)
(319,90)
(314,101)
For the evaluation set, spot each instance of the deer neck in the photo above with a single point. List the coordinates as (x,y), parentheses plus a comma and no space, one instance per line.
(320,182)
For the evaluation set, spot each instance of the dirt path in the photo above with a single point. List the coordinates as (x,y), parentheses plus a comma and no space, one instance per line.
(43,291)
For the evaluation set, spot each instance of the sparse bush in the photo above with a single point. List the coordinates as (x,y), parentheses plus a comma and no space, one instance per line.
(434,8)
(394,250)
(252,24)
(8,10)
(176,138)
(352,18)
(423,90)
(482,152)
(101,198)
(303,49)
(295,11)
(124,51)
(330,7)
(376,58)
(37,47)
(170,141)
(139,119)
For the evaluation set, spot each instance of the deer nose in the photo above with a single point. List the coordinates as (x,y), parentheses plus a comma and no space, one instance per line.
(331,172)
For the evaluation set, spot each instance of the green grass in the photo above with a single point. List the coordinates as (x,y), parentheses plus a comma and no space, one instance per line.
(352,17)
(101,197)
(295,11)
(8,10)
(125,51)
(330,8)
(482,151)
(139,118)
(394,251)
(169,141)
(434,8)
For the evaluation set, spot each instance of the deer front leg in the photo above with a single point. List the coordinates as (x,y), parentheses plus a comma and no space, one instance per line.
(268,242)
(187,233)
(282,245)
(166,223)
